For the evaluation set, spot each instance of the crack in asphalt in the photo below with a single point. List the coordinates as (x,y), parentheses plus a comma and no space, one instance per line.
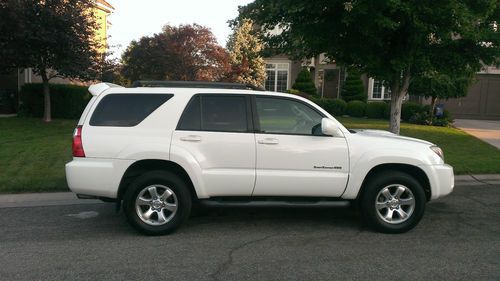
(228,262)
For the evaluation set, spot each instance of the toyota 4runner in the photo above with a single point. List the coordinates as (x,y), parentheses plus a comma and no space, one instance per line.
(163,147)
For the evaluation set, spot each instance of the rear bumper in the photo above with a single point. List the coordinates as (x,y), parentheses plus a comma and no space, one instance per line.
(441,179)
(96,177)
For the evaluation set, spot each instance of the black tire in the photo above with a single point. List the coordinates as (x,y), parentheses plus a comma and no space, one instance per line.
(370,194)
(160,178)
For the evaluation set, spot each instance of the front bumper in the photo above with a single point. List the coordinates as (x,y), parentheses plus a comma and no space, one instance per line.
(441,179)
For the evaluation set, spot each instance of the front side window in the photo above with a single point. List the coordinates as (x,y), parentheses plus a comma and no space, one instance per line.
(277,77)
(126,110)
(215,113)
(284,116)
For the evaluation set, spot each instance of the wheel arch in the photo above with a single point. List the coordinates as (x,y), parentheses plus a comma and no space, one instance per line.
(414,171)
(139,167)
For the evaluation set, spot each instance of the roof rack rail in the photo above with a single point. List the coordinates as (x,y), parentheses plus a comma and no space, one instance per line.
(195,84)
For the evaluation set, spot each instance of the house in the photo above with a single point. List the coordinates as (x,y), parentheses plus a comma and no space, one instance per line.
(481,102)
(327,75)
(10,84)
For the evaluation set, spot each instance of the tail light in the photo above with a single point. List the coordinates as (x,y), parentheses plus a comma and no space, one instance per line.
(77,143)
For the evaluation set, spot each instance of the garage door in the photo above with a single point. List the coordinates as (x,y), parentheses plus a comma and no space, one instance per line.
(482,101)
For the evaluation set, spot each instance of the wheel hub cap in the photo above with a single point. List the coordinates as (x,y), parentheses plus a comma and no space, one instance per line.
(156,205)
(395,204)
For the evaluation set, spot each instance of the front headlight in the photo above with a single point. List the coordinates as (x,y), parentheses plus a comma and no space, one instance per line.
(438,151)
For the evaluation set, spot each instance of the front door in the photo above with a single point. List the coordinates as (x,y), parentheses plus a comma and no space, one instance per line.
(293,157)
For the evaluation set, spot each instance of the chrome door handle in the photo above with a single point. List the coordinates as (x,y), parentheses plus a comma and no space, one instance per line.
(192,138)
(268,141)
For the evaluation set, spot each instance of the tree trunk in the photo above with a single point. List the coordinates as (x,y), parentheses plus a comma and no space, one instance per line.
(396,102)
(433,108)
(47,116)
(398,92)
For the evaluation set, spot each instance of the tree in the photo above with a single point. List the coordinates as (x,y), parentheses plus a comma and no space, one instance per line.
(391,41)
(187,52)
(304,83)
(244,46)
(55,38)
(353,87)
(440,85)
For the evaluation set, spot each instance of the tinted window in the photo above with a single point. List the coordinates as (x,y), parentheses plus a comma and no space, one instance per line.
(224,113)
(215,113)
(126,110)
(283,116)
(191,118)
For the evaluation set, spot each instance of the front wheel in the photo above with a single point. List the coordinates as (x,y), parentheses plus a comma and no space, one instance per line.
(393,202)
(157,202)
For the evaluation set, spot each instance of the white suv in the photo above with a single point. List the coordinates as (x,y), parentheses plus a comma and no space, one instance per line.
(164,146)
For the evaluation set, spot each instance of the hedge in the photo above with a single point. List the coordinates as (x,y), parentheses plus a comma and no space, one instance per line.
(356,108)
(335,107)
(377,109)
(410,109)
(67,101)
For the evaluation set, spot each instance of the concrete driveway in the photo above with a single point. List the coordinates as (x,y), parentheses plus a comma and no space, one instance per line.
(486,130)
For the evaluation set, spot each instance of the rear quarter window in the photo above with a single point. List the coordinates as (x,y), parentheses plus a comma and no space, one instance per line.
(126,110)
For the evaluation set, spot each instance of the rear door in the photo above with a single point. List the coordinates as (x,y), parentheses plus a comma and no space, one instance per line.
(216,130)
(293,157)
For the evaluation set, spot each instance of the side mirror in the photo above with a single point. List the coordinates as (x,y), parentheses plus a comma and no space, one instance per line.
(330,128)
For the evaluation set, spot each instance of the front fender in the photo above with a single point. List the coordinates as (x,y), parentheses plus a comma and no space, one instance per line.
(362,164)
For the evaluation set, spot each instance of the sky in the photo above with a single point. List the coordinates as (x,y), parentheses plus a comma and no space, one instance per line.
(133,19)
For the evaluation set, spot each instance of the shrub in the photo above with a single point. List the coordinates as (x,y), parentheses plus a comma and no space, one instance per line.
(356,108)
(387,111)
(67,101)
(293,91)
(444,120)
(7,101)
(353,87)
(409,109)
(376,109)
(336,107)
(421,118)
(304,83)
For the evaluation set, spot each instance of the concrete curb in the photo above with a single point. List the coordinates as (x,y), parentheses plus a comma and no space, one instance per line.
(69,198)
(491,179)
(42,199)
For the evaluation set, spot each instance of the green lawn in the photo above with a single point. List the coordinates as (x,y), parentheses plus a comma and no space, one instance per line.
(465,153)
(33,153)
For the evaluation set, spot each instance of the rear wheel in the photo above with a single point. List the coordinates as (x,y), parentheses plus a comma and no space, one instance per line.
(157,202)
(393,202)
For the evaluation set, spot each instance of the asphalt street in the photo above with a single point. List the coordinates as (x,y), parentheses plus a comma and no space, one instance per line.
(458,239)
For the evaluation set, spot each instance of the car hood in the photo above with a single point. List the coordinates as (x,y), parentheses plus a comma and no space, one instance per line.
(388,135)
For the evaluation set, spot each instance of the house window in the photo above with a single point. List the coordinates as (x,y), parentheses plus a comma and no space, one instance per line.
(277,77)
(379,91)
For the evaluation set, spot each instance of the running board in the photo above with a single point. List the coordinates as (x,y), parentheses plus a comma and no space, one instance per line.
(274,203)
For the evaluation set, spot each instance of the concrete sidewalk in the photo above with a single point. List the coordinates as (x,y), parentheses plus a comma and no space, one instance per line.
(69,198)
(486,130)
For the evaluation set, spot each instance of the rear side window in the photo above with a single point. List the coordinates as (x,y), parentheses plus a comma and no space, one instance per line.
(126,110)
(220,113)
(191,118)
